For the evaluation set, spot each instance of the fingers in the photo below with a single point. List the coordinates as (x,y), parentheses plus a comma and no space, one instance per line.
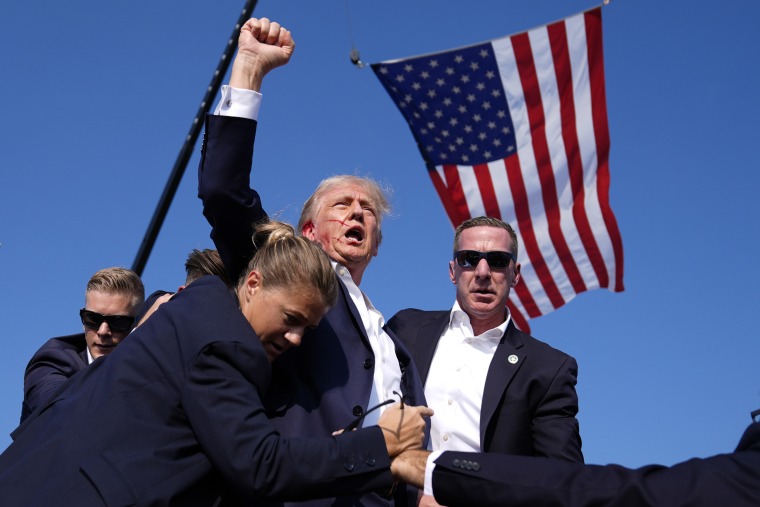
(268,32)
(404,429)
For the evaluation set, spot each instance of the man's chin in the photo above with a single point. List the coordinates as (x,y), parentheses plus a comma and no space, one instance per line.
(353,256)
(485,306)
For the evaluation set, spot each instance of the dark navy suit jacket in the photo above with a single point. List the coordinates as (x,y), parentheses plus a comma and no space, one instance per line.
(50,367)
(528,406)
(322,385)
(174,417)
(57,360)
(730,480)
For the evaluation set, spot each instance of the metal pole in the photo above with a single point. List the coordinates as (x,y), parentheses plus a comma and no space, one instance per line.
(187,148)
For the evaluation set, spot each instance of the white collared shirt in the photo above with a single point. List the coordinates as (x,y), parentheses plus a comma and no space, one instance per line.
(387,373)
(456,380)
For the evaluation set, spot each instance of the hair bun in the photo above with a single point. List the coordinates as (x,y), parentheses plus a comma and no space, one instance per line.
(271,231)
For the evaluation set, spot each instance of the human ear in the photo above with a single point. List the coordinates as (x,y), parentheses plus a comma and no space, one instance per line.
(516,278)
(253,281)
(307,230)
(452,276)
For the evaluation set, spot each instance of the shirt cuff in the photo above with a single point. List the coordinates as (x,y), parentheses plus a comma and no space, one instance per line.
(238,102)
(429,466)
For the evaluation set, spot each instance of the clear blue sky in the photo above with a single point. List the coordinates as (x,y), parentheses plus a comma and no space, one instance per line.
(98,97)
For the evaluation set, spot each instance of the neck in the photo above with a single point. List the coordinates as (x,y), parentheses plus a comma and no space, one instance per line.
(482,324)
(355,269)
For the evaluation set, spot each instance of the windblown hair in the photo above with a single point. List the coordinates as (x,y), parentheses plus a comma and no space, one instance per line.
(292,262)
(119,281)
(204,262)
(377,195)
(486,222)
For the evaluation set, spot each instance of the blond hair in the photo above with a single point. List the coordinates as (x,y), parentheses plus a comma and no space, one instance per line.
(285,260)
(121,281)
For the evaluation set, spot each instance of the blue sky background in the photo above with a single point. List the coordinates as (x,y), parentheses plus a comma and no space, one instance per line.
(99,95)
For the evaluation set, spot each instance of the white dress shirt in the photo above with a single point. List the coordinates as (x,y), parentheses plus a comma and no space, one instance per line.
(387,373)
(456,380)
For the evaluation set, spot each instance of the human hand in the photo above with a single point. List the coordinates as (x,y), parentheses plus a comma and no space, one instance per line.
(403,427)
(428,501)
(409,467)
(262,46)
(158,302)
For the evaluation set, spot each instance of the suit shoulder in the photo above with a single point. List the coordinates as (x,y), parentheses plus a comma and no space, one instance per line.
(543,348)
(415,314)
(74,343)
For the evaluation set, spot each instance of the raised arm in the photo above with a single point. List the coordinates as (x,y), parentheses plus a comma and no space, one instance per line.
(229,204)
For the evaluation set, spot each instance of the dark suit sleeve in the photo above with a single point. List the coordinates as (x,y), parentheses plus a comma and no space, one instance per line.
(224,408)
(728,479)
(50,367)
(555,428)
(229,204)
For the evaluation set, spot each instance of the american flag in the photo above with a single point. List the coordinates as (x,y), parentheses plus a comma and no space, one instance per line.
(516,128)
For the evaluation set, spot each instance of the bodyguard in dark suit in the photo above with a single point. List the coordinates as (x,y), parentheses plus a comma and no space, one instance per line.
(731,479)
(528,405)
(348,363)
(173,417)
(112,299)
(493,387)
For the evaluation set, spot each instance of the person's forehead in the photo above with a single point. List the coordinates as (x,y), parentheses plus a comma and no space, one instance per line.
(347,191)
(304,305)
(495,238)
(107,302)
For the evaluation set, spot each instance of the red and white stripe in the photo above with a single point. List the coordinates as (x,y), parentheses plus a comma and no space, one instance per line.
(555,190)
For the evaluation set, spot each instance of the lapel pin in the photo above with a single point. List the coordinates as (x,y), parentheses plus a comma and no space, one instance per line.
(512,359)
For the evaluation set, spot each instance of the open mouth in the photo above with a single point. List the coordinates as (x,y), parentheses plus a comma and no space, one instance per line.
(355,235)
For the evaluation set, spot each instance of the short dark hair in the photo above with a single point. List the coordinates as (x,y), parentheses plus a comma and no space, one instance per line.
(204,262)
(484,221)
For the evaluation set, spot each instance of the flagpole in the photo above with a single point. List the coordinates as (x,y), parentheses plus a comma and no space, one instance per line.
(187,148)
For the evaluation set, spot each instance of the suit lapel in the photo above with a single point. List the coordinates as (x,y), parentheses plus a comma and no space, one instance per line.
(354,312)
(426,342)
(506,361)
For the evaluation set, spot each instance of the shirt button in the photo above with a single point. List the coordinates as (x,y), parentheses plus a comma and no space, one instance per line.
(358,410)
(451,402)
(368,363)
(445,438)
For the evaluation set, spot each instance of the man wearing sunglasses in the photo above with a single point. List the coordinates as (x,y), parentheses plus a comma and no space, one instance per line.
(112,299)
(493,388)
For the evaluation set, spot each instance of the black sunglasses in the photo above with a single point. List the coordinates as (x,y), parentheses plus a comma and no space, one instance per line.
(356,422)
(495,260)
(117,323)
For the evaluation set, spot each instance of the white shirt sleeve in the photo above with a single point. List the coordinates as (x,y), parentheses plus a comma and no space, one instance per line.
(429,472)
(238,102)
